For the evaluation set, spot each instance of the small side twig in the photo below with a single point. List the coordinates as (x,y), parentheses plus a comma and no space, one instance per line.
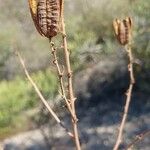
(41,96)
(137,139)
(69,76)
(128,98)
(60,75)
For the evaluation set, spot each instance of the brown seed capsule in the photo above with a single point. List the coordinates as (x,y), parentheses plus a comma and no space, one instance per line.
(123,30)
(46,16)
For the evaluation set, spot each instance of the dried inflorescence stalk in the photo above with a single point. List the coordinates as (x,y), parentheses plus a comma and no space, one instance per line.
(123,34)
(46,16)
(123,30)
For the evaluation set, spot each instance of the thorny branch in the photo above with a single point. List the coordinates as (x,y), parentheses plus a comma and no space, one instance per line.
(69,76)
(41,96)
(60,75)
(137,139)
(128,97)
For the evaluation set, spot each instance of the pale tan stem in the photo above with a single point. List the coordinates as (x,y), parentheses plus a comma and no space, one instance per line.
(70,85)
(60,76)
(41,96)
(138,138)
(128,98)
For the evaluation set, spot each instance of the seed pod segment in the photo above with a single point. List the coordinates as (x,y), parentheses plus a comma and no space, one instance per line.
(46,16)
(122,30)
(33,10)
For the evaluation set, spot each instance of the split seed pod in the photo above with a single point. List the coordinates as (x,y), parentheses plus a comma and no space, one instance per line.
(46,16)
(122,30)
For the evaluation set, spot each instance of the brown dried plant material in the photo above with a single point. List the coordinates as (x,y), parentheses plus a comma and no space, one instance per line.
(122,30)
(46,16)
(123,33)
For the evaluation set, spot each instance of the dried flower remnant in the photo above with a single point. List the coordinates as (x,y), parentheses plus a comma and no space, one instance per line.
(46,16)
(122,30)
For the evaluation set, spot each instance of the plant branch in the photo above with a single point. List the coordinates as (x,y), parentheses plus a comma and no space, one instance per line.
(137,139)
(60,76)
(69,75)
(128,98)
(41,96)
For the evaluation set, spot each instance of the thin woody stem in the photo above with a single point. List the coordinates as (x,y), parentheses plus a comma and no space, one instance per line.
(60,75)
(41,96)
(70,85)
(128,98)
(138,138)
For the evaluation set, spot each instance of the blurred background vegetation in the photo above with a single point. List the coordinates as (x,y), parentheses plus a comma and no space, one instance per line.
(89,31)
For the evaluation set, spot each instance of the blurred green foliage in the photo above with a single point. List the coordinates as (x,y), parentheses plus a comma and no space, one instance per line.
(142,32)
(93,24)
(17,30)
(89,25)
(18,95)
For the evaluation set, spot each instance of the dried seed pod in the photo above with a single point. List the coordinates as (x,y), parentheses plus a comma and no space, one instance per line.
(123,30)
(46,16)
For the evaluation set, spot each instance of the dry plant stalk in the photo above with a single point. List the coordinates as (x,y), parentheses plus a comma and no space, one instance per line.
(48,17)
(70,85)
(60,76)
(123,34)
(137,139)
(43,100)
(63,94)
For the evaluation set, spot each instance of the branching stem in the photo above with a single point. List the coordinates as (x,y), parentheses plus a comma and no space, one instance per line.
(60,76)
(41,96)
